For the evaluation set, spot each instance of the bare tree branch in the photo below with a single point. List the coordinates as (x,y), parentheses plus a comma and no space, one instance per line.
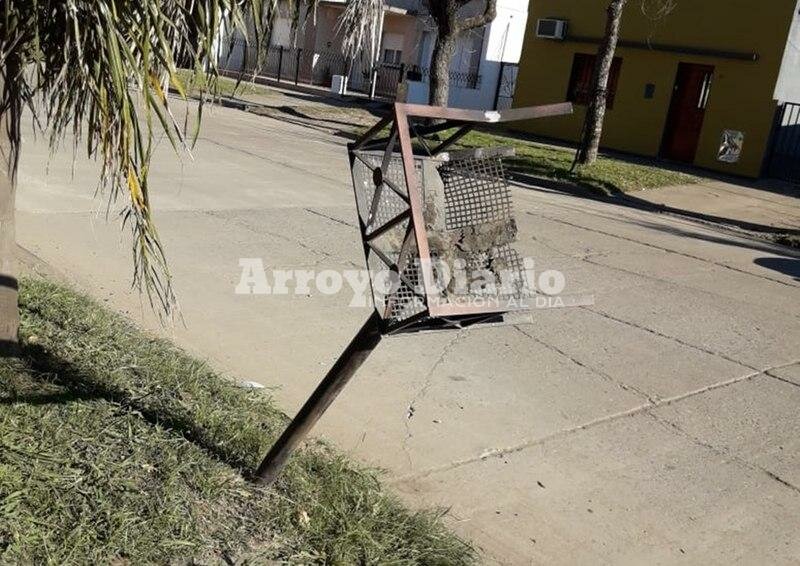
(657,9)
(477,21)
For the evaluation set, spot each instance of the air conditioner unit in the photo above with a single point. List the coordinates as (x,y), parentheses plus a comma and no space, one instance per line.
(551,28)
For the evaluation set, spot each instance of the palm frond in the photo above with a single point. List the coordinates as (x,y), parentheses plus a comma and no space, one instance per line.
(97,69)
(360,26)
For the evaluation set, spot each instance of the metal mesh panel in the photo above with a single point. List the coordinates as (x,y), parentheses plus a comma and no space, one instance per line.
(390,242)
(475,191)
(394,172)
(476,228)
(390,204)
(371,177)
(402,302)
(469,228)
(507,264)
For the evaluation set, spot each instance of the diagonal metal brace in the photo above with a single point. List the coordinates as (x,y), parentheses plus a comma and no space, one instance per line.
(329,388)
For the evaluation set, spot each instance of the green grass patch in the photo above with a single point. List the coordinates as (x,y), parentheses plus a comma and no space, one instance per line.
(607,175)
(194,83)
(119,447)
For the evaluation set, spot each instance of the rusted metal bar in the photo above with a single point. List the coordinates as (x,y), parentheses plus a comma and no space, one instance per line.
(388,226)
(482,152)
(372,132)
(460,133)
(421,130)
(456,117)
(484,116)
(329,388)
(414,193)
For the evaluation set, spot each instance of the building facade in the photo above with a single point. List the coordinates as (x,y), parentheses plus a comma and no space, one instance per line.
(309,49)
(484,67)
(699,85)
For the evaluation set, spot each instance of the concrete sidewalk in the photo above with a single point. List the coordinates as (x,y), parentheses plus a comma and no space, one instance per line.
(658,425)
(766,202)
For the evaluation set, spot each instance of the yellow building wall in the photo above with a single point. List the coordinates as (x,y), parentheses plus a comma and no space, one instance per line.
(742,91)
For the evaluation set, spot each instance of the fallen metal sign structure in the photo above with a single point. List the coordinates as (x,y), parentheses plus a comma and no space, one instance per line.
(437,229)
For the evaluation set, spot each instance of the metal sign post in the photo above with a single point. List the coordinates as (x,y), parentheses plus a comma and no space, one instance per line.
(427,217)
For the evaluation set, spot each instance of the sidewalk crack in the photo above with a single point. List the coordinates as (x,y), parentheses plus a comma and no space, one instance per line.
(670,425)
(577,362)
(779,378)
(668,337)
(663,249)
(501,452)
(324,256)
(331,218)
(423,391)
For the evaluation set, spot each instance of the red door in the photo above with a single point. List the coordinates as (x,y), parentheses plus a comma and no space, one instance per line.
(686,111)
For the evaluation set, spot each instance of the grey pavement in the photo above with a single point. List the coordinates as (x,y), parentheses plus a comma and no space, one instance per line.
(659,425)
(766,202)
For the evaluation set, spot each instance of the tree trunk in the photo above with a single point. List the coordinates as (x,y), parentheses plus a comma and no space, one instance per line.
(448,28)
(595,113)
(443,51)
(9,144)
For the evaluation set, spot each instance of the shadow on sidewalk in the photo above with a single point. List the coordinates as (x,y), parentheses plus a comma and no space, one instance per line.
(787,266)
(765,184)
(629,201)
(765,246)
(292,115)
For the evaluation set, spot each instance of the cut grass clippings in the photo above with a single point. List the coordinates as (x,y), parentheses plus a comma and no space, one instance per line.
(119,447)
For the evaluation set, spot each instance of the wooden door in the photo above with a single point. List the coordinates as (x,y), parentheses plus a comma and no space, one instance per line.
(686,111)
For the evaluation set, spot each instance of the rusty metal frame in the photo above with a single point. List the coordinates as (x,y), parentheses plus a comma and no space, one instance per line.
(443,316)
(404,131)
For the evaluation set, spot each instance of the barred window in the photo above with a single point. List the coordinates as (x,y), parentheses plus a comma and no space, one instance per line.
(580,81)
(392,56)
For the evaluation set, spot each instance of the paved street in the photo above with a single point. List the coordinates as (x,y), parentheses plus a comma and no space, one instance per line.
(659,425)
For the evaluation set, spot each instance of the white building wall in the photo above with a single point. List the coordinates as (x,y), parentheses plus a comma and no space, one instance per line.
(499,42)
(787,88)
(502,42)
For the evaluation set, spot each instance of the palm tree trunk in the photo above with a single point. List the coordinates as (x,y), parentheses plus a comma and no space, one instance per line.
(9,308)
(595,114)
(442,55)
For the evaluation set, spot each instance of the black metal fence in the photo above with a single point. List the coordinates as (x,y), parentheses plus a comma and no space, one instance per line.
(784,159)
(506,85)
(318,68)
(283,63)
(457,78)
